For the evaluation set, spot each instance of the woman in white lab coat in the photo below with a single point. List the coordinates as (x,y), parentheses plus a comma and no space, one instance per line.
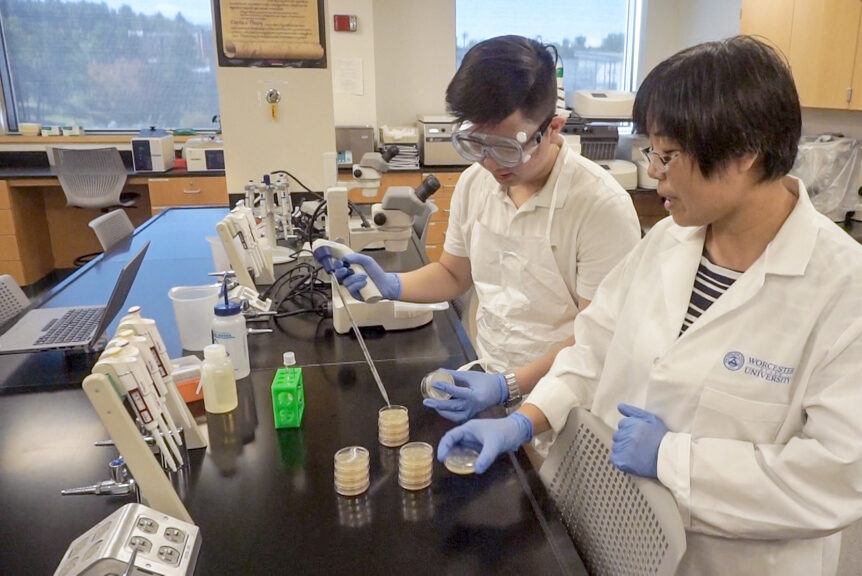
(726,349)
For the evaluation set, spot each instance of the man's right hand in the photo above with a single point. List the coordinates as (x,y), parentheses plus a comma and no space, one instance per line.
(387,282)
(472,393)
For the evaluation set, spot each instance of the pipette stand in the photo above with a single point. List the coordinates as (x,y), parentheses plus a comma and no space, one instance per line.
(155,487)
(390,314)
(238,226)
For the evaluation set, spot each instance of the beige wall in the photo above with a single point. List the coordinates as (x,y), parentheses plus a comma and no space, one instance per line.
(414,50)
(353,109)
(255,143)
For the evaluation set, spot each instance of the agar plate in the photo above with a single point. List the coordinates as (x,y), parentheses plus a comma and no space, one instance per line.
(461,460)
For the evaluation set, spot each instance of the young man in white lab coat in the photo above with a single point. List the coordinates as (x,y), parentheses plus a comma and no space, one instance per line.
(726,349)
(534,227)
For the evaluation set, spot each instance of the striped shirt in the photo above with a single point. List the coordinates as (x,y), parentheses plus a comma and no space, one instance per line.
(710,282)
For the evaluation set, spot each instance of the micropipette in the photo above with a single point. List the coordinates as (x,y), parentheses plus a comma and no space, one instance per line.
(323,252)
(368,360)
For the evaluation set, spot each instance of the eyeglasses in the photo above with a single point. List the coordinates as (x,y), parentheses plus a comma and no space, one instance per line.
(508,152)
(663,159)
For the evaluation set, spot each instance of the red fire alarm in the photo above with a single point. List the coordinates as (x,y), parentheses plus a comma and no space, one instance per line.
(345,22)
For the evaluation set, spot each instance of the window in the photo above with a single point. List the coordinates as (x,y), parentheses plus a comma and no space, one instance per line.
(593,37)
(108,65)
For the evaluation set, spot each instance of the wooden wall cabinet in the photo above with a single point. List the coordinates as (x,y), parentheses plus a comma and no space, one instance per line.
(439,222)
(822,42)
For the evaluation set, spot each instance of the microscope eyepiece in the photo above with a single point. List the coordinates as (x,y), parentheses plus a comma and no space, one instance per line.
(427,188)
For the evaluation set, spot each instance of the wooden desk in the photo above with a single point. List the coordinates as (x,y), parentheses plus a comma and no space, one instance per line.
(39,233)
(264,498)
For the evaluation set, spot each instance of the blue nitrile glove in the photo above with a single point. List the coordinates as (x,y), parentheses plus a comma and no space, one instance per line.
(488,437)
(472,393)
(636,441)
(388,283)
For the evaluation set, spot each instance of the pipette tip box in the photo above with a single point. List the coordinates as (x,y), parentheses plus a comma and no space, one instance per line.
(288,398)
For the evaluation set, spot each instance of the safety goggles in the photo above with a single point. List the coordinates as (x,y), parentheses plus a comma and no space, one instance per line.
(659,161)
(508,152)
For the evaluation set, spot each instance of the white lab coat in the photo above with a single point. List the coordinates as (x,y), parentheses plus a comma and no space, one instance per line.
(762,395)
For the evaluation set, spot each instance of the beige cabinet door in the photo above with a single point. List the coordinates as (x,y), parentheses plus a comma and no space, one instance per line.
(770,19)
(823,50)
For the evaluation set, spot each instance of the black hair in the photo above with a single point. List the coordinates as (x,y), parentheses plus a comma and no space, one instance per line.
(503,75)
(722,100)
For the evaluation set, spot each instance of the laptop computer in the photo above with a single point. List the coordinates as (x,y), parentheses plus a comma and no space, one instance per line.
(70,327)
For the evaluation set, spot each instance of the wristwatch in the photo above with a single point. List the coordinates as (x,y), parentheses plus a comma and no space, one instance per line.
(512,387)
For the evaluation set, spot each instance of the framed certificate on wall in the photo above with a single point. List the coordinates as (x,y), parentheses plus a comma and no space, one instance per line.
(270,33)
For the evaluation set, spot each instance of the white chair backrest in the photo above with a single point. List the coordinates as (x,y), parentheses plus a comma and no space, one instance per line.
(90,177)
(621,524)
(12,298)
(112,228)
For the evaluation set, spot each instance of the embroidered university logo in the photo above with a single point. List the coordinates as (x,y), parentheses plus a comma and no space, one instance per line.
(734,360)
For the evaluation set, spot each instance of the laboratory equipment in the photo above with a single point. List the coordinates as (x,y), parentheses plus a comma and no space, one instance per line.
(391,219)
(229,330)
(601,104)
(415,465)
(186,373)
(327,252)
(147,354)
(126,370)
(146,327)
(193,311)
(153,151)
(288,398)
(461,460)
(204,154)
(155,487)
(217,380)
(135,539)
(435,144)
(352,471)
(393,425)
(428,391)
(347,311)
(249,259)
(352,142)
(119,484)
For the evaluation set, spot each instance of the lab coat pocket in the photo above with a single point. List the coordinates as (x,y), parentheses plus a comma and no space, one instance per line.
(722,415)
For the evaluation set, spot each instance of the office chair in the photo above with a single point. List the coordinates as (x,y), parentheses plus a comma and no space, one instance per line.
(12,298)
(621,524)
(91,178)
(111,228)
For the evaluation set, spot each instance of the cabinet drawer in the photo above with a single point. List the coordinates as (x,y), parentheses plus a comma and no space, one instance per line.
(16,270)
(434,251)
(4,195)
(6,226)
(436,232)
(441,215)
(9,248)
(188,191)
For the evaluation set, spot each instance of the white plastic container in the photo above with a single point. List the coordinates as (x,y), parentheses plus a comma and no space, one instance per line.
(219,384)
(228,328)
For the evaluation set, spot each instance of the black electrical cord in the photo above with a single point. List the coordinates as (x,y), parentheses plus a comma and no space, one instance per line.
(297,180)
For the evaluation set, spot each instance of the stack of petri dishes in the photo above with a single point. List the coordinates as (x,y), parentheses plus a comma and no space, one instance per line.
(351,471)
(393,426)
(415,464)
(428,391)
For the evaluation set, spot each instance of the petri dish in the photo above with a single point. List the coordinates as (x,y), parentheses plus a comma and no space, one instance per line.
(428,391)
(415,464)
(393,427)
(461,460)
